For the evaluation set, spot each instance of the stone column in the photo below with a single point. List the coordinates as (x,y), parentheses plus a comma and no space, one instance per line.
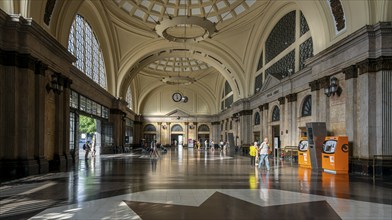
(137,132)
(367,110)
(116,119)
(18,115)
(384,111)
(383,68)
(159,138)
(169,132)
(314,88)
(59,160)
(292,119)
(40,91)
(66,126)
(265,122)
(284,121)
(215,131)
(245,122)
(185,140)
(261,121)
(375,107)
(351,74)
(323,102)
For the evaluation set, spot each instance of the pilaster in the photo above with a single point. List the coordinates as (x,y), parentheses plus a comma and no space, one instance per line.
(351,74)
(39,130)
(322,101)
(292,119)
(284,123)
(215,131)
(245,122)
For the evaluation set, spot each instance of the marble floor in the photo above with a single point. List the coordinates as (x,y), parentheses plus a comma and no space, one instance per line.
(190,184)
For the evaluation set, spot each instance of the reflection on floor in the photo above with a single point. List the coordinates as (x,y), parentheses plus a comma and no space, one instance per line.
(191,184)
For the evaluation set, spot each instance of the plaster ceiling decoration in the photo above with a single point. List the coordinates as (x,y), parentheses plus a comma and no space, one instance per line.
(153,11)
(178,64)
(184,20)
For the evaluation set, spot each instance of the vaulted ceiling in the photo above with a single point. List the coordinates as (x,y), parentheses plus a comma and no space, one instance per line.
(194,46)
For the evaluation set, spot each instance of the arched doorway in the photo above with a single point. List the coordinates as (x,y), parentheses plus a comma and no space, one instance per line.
(177,135)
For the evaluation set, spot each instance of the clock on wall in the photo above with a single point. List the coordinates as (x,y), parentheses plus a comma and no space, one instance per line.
(177,97)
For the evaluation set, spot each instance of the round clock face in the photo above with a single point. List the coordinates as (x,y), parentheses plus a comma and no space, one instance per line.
(176,97)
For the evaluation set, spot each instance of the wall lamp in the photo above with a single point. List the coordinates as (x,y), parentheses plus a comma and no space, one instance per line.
(56,84)
(333,88)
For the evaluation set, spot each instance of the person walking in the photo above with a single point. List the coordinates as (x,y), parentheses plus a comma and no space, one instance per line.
(87,149)
(252,153)
(93,146)
(263,156)
(221,145)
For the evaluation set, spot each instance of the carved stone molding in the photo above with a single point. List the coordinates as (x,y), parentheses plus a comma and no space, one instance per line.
(314,86)
(374,65)
(266,106)
(350,72)
(291,97)
(114,111)
(215,123)
(40,68)
(67,82)
(281,100)
(260,107)
(324,81)
(245,112)
(13,58)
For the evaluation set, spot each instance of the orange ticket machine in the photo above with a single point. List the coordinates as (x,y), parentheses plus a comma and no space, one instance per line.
(303,153)
(335,154)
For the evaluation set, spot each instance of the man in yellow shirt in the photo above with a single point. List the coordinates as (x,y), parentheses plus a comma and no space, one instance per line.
(252,153)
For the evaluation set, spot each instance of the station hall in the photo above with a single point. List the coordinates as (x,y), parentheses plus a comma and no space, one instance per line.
(195,109)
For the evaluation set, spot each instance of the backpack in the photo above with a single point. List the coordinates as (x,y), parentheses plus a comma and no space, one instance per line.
(84,146)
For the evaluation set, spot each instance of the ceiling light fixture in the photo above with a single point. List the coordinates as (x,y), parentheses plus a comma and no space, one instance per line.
(198,29)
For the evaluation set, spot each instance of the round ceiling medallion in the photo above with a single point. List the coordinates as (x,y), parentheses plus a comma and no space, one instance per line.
(185,29)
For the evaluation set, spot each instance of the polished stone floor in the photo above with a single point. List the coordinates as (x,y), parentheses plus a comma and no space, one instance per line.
(191,184)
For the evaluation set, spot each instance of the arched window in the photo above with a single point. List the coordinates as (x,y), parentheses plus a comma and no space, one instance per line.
(276,114)
(83,44)
(307,106)
(176,127)
(150,127)
(288,32)
(257,118)
(204,128)
(227,97)
(128,98)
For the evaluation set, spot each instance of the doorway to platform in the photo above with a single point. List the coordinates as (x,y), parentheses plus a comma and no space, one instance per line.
(275,140)
(177,139)
(202,138)
(88,132)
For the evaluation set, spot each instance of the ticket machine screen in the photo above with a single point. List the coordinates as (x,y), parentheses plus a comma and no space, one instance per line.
(329,146)
(303,145)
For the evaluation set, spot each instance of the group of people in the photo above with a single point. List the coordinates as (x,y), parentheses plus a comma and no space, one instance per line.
(222,145)
(260,154)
